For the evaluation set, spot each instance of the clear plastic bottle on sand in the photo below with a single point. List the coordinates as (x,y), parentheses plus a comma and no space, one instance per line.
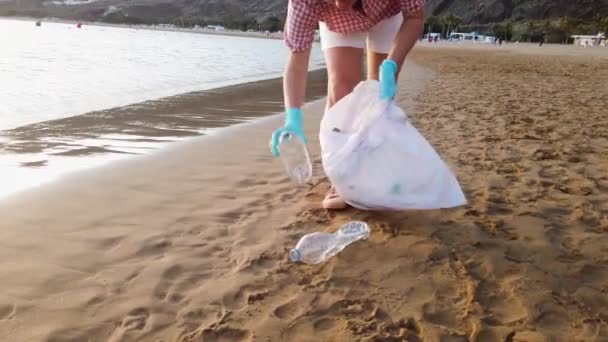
(295,158)
(317,247)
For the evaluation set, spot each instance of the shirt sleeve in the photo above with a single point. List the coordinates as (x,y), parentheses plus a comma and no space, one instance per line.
(300,26)
(411,5)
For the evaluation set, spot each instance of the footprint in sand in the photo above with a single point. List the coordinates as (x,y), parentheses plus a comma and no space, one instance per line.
(526,336)
(7,312)
(232,216)
(496,205)
(176,298)
(402,330)
(96,300)
(440,313)
(502,307)
(194,315)
(136,319)
(108,244)
(214,250)
(189,320)
(324,324)
(168,277)
(191,282)
(246,295)
(132,276)
(287,311)
(226,334)
(155,246)
(258,264)
(249,182)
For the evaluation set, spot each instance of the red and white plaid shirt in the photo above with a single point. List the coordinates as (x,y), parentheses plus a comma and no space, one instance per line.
(303,16)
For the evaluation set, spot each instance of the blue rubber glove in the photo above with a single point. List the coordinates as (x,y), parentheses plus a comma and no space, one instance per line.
(388,83)
(293,124)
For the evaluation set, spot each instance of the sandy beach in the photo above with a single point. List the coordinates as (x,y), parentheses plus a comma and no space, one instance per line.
(190,243)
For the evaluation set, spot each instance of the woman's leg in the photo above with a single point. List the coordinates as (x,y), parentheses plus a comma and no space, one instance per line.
(374,59)
(344,59)
(343,72)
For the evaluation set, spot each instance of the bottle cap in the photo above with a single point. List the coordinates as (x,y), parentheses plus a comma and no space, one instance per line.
(294,255)
(285,137)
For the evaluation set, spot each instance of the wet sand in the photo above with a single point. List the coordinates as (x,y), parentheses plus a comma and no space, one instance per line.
(190,244)
(40,152)
(168,118)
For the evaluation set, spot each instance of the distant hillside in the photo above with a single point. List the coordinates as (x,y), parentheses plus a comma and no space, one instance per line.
(146,10)
(489,11)
(217,11)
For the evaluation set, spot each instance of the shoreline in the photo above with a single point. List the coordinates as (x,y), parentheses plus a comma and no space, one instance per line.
(38,153)
(234,33)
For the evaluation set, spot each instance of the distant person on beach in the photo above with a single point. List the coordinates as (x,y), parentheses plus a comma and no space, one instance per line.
(387,28)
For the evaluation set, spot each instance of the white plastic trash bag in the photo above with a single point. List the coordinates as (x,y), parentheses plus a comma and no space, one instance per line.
(377,160)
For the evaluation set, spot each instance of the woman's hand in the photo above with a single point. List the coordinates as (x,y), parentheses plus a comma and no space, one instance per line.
(293,124)
(388,79)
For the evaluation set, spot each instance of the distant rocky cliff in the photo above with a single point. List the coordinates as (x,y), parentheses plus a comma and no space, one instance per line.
(470,11)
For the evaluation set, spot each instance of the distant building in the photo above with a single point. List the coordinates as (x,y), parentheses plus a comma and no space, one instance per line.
(473,36)
(457,36)
(216,27)
(588,40)
(433,36)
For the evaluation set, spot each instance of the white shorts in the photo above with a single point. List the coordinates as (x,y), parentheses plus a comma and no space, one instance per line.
(379,38)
